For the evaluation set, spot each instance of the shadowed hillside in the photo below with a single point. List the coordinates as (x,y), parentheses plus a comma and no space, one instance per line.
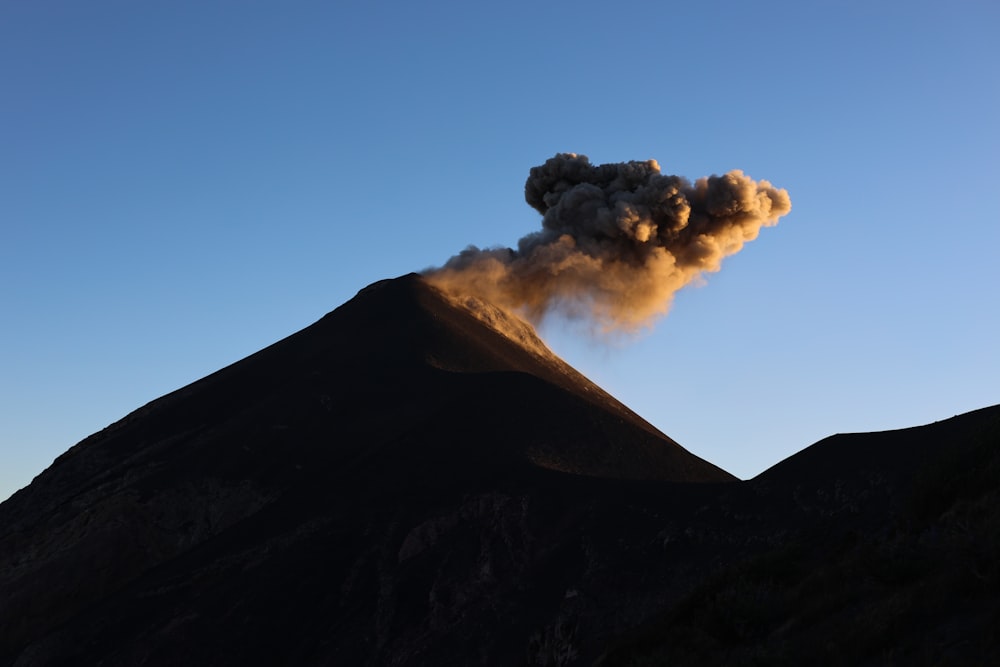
(888,557)
(416,480)
(366,437)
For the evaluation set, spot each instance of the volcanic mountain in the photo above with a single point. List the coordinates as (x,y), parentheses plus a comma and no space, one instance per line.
(401,400)
(417,480)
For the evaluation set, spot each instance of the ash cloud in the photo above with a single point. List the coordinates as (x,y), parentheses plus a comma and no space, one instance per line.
(617,241)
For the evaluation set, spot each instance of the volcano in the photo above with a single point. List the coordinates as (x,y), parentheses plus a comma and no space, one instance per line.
(415,479)
(401,401)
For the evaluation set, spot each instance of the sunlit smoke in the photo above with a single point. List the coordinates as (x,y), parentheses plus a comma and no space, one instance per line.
(617,241)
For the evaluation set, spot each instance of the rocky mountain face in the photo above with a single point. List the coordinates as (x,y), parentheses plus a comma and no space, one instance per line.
(415,480)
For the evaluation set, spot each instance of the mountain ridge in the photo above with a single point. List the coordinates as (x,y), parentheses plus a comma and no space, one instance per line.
(398,396)
(403,482)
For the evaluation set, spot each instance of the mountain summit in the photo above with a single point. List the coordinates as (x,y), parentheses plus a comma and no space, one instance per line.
(417,480)
(400,401)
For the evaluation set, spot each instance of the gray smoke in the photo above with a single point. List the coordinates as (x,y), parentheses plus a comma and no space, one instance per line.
(617,240)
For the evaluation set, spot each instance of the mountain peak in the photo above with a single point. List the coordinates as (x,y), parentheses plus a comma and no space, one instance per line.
(413,286)
(403,399)
(415,479)
(403,355)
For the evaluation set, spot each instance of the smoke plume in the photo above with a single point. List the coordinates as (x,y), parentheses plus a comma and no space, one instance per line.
(617,240)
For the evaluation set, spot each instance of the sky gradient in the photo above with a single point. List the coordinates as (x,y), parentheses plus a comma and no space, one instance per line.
(184,183)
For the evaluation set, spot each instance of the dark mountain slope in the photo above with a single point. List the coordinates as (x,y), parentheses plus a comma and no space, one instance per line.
(330,455)
(872,549)
(899,453)
(414,481)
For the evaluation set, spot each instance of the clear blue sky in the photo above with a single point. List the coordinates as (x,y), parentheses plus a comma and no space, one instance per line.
(183,183)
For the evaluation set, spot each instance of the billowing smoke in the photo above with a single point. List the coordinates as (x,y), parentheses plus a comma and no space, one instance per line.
(617,240)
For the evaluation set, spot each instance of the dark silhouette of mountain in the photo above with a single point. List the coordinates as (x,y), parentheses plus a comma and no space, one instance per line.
(415,480)
(325,446)
(874,549)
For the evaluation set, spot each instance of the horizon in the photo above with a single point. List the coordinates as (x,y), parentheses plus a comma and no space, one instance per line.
(186,185)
